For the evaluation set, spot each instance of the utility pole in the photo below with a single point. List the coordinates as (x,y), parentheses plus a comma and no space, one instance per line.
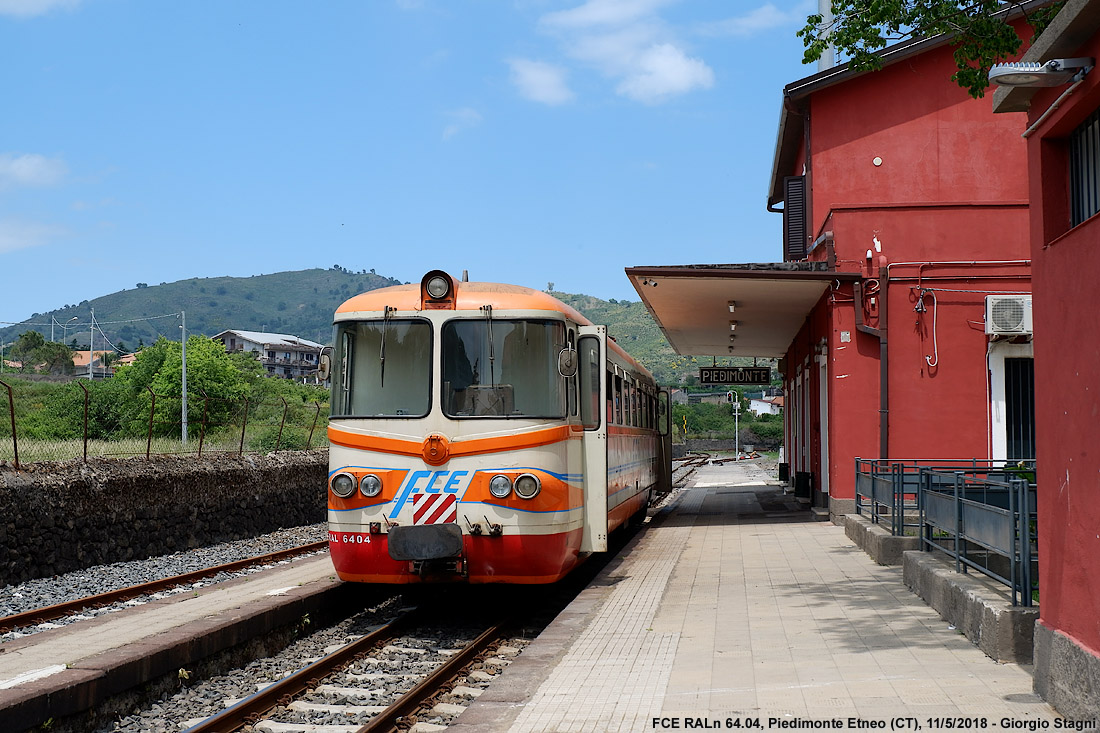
(91,346)
(183,328)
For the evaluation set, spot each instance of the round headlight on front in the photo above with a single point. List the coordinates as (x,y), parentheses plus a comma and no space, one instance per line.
(343,485)
(438,287)
(500,486)
(370,485)
(527,486)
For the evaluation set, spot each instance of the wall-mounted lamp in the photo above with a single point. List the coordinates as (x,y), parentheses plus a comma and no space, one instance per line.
(733,306)
(647,281)
(733,325)
(1051,73)
(732,337)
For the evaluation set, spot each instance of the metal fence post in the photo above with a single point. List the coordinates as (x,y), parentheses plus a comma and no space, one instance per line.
(958,522)
(202,425)
(11,411)
(152,410)
(85,420)
(279,440)
(317,414)
(244,426)
(1015,553)
(926,531)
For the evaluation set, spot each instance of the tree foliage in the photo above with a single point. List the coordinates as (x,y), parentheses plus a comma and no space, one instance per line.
(34,352)
(980,32)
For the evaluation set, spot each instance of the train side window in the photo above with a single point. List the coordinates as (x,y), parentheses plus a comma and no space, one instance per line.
(619,401)
(589,373)
(609,392)
(636,403)
(632,403)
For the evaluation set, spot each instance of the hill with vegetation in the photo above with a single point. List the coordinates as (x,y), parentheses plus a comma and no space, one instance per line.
(302,303)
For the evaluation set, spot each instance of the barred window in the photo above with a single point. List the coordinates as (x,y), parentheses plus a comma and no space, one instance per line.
(1084,170)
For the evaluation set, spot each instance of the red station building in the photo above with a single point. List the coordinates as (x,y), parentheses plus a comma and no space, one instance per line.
(905,221)
(1062,128)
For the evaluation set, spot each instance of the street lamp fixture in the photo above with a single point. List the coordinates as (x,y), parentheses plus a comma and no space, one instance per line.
(1053,73)
(64,326)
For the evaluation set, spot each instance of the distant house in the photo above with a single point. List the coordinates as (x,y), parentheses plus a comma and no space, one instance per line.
(766,405)
(282,355)
(99,370)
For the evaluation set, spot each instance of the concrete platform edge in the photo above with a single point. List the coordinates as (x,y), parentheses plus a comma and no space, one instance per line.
(882,547)
(1066,674)
(984,614)
(92,682)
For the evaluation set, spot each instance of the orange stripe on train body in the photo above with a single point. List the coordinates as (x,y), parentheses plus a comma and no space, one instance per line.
(458,448)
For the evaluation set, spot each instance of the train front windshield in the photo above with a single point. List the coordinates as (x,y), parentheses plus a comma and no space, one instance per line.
(382,369)
(502,368)
(491,368)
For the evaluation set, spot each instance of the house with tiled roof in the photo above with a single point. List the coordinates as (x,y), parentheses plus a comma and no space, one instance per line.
(282,354)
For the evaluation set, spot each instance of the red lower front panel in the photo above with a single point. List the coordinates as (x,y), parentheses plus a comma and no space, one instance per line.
(365,558)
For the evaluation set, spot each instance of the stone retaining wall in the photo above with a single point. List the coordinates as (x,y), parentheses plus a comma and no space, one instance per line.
(60,517)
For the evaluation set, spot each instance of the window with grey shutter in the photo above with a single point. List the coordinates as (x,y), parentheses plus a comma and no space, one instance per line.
(794,218)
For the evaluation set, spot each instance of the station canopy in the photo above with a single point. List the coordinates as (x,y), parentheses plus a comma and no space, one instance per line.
(771,301)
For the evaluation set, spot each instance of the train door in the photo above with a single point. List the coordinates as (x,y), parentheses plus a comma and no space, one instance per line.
(592,356)
(664,442)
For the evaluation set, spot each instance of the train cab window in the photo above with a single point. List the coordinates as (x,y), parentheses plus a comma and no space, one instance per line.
(571,382)
(589,373)
(382,369)
(503,368)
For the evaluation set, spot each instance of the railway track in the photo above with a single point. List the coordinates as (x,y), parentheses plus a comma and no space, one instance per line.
(46,614)
(377,682)
(687,466)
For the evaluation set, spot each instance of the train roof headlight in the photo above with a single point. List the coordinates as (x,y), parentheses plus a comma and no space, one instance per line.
(500,486)
(438,287)
(528,486)
(343,485)
(370,485)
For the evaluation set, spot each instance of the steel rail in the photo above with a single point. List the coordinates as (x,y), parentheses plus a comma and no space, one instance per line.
(251,708)
(49,613)
(388,719)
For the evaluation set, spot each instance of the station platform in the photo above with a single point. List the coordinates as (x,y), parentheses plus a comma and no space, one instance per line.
(734,609)
(72,669)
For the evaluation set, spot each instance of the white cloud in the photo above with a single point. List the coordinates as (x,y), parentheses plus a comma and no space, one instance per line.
(461,119)
(603,12)
(629,43)
(30,169)
(663,71)
(764,18)
(20,234)
(30,8)
(540,82)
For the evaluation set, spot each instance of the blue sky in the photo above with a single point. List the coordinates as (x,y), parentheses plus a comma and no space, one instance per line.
(528,141)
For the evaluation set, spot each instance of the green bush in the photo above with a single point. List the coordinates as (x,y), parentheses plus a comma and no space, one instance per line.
(268,440)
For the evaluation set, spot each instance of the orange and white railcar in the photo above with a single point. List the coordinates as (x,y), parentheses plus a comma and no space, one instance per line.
(483,433)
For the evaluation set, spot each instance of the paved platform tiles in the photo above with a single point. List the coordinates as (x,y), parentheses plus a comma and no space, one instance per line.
(734,606)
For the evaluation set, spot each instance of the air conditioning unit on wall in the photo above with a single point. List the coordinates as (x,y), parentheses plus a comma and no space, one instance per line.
(1008,315)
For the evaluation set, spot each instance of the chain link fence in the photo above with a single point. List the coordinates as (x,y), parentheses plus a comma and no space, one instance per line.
(83,420)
